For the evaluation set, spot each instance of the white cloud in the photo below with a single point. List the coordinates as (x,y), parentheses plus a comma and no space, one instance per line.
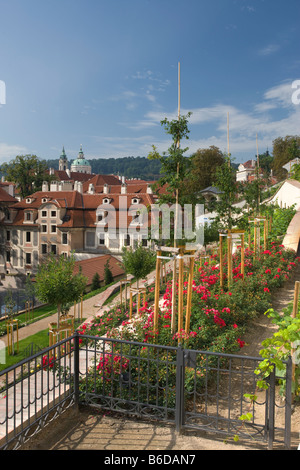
(9,152)
(268,50)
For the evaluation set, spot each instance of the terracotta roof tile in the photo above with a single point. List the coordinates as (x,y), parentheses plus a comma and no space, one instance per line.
(92,265)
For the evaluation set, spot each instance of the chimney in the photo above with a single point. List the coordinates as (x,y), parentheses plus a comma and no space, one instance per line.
(105,189)
(79,187)
(124,188)
(123,179)
(149,189)
(45,186)
(54,186)
(91,189)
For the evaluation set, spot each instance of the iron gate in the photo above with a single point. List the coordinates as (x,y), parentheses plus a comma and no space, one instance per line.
(213,389)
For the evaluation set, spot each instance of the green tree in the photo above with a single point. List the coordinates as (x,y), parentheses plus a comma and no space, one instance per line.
(174,164)
(28,172)
(174,168)
(203,168)
(225,181)
(108,277)
(284,150)
(139,262)
(95,282)
(55,281)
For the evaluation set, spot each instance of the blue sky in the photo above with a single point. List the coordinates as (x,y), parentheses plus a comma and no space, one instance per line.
(103,73)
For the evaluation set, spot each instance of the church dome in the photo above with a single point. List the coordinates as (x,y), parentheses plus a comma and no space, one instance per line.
(81,164)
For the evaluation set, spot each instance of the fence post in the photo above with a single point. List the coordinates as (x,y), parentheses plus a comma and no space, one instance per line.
(179,406)
(76,369)
(288,403)
(271,420)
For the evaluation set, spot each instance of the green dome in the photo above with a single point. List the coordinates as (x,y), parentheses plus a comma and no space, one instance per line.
(81,161)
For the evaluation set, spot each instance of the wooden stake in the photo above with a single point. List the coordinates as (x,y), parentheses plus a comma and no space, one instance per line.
(180,292)
(229,267)
(157,283)
(221,259)
(294,314)
(189,296)
(243,254)
(173,316)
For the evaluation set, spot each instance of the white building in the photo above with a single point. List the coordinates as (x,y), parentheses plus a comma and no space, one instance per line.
(287,195)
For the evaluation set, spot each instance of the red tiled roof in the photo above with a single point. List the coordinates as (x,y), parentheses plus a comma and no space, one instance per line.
(5,197)
(92,265)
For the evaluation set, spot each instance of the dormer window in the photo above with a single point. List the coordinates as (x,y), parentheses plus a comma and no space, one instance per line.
(45,199)
(28,216)
(135,200)
(28,200)
(106,200)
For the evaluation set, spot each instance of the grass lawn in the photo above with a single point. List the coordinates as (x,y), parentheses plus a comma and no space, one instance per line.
(41,339)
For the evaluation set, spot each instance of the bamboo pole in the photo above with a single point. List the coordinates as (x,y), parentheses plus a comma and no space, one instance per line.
(157,282)
(180,292)
(265,234)
(189,295)
(130,306)
(173,315)
(243,254)
(229,263)
(221,259)
(294,315)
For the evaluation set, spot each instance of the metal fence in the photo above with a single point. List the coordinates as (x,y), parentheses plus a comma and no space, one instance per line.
(190,389)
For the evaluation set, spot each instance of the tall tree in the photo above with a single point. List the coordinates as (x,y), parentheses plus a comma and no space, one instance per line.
(28,172)
(203,168)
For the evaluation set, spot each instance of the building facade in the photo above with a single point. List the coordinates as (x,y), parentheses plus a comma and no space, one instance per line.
(91,219)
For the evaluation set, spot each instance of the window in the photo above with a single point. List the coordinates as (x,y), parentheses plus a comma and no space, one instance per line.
(53,213)
(44,213)
(64,239)
(53,228)
(28,237)
(53,249)
(8,256)
(28,258)
(90,239)
(8,235)
(44,248)
(127,241)
(28,216)
(144,242)
(101,239)
(44,228)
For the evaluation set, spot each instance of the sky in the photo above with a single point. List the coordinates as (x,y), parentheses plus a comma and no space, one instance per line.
(104,73)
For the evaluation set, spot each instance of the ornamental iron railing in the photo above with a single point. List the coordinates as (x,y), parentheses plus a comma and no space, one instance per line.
(189,389)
